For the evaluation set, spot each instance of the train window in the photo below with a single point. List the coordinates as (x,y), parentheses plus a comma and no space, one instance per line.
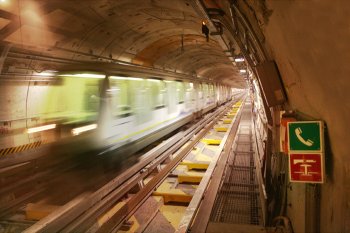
(81,99)
(200,91)
(158,90)
(91,95)
(211,90)
(189,86)
(120,98)
(205,90)
(180,92)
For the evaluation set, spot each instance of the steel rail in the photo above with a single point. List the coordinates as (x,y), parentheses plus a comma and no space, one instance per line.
(64,215)
(80,225)
(136,201)
(190,132)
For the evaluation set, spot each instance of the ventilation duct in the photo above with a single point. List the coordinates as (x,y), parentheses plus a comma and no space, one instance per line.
(271,84)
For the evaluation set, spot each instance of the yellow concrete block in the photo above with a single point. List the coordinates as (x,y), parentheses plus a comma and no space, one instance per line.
(180,169)
(221,129)
(190,177)
(39,211)
(104,218)
(227,121)
(135,225)
(230,115)
(197,161)
(173,213)
(203,157)
(210,141)
(173,194)
(196,165)
(141,218)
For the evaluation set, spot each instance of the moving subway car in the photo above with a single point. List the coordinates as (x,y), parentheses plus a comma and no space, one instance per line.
(113,111)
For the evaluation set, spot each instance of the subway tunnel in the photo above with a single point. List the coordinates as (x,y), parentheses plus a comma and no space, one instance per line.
(94,92)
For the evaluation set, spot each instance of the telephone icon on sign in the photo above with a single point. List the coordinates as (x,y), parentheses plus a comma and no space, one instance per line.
(307,142)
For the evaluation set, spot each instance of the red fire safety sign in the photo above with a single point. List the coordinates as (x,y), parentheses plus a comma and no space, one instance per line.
(306,168)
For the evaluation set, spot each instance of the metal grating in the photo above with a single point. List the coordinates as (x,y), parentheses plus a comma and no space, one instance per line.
(238,198)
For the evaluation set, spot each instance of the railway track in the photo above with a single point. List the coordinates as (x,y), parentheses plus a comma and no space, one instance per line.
(113,206)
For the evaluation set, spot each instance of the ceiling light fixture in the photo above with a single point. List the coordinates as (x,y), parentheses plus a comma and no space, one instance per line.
(125,78)
(45,74)
(242,71)
(153,80)
(239,59)
(101,76)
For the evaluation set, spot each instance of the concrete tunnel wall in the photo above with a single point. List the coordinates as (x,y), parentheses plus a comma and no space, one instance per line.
(22,106)
(310,42)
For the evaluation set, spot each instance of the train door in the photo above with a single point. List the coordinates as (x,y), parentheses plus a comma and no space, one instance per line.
(82,97)
(199,100)
(120,98)
(172,96)
(211,93)
(189,97)
(181,95)
(205,95)
(142,101)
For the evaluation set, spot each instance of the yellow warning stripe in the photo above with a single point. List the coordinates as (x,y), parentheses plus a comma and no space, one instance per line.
(21,148)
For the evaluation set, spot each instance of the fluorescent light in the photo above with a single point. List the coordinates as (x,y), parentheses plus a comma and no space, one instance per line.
(191,87)
(41,128)
(243,71)
(153,80)
(79,130)
(113,89)
(84,75)
(239,59)
(124,78)
(45,74)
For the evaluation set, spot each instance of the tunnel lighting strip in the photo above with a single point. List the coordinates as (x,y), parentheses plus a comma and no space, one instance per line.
(41,128)
(124,78)
(84,75)
(79,130)
(243,71)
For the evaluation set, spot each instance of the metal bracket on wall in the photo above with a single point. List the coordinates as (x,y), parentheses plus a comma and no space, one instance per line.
(3,56)
(218,26)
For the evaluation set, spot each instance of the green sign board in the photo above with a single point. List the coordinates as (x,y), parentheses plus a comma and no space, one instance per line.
(305,136)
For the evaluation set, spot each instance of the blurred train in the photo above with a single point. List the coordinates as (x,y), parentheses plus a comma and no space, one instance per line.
(118,110)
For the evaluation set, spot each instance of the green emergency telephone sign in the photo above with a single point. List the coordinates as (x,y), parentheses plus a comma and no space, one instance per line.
(305,136)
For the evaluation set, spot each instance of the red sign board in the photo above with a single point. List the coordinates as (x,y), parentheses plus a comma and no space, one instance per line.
(306,168)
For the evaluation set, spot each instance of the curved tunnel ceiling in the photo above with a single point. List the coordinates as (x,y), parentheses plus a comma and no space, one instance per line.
(164,34)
